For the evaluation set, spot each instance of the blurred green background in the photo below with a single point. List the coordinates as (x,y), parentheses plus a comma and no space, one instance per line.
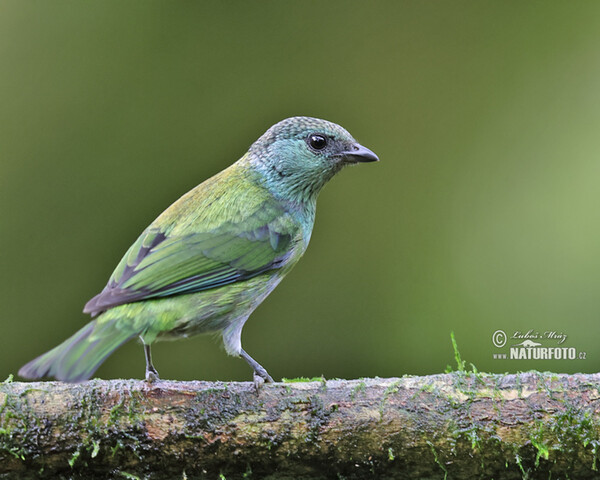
(483,214)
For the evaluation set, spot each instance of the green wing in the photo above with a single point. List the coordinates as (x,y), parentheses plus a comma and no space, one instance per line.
(160,265)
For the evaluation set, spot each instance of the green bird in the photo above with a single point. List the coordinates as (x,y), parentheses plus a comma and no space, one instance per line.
(213,256)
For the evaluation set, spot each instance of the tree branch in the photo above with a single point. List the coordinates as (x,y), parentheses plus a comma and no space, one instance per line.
(464,425)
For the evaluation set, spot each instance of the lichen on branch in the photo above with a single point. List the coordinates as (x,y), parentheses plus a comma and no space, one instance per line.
(459,425)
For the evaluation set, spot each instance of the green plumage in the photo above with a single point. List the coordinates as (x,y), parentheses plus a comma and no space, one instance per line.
(209,260)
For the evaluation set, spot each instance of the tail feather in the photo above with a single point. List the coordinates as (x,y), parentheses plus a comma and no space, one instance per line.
(78,357)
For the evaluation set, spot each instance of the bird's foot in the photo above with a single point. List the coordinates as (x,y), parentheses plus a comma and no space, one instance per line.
(258,381)
(261,377)
(152,375)
(260,374)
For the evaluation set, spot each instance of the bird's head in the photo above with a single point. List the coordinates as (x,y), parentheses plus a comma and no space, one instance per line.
(298,155)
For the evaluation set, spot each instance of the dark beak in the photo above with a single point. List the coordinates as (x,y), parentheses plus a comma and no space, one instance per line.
(357,153)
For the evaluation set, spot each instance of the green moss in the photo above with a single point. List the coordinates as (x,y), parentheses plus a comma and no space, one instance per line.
(574,427)
(15,421)
(497,394)
(520,465)
(74,458)
(9,379)
(461,382)
(537,440)
(391,456)
(134,412)
(302,379)
(95,449)
(472,435)
(116,412)
(461,374)
(460,363)
(518,384)
(360,388)
(248,472)
(428,387)
(390,390)
(115,448)
(323,383)
(478,376)
(7,446)
(129,476)
(435,458)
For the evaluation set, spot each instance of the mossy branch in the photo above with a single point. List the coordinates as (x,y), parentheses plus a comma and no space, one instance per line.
(459,425)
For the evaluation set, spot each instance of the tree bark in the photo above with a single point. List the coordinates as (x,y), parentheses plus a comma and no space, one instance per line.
(457,425)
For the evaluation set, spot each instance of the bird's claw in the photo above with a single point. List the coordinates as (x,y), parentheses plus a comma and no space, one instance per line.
(261,377)
(258,381)
(262,373)
(152,376)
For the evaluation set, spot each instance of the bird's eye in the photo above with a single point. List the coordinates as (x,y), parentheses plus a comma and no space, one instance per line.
(317,142)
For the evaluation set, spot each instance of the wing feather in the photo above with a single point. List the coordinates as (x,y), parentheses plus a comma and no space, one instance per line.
(159,265)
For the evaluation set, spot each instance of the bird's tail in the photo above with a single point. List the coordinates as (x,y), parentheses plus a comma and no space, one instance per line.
(78,357)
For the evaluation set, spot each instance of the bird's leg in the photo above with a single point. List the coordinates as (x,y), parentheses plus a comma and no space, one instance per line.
(151,373)
(260,374)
